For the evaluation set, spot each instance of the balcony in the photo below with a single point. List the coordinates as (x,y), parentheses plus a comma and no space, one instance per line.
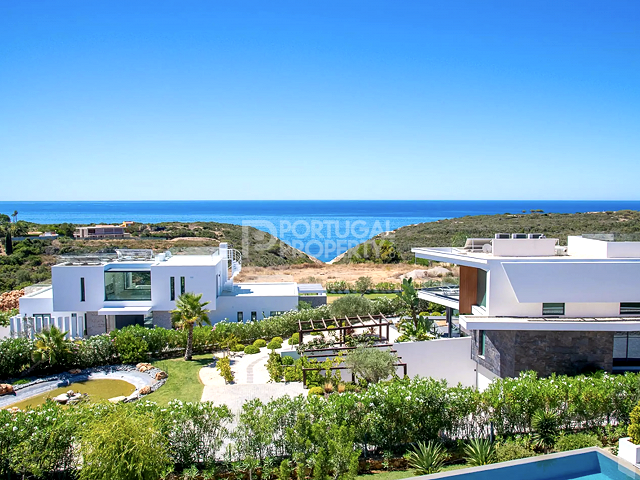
(447,295)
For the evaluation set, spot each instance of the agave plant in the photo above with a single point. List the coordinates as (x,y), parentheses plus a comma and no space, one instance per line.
(545,425)
(427,458)
(479,451)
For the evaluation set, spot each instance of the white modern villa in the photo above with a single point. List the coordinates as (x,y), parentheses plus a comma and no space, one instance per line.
(531,304)
(94,294)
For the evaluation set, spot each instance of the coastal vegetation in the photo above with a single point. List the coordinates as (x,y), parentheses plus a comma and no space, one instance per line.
(29,261)
(453,232)
(323,435)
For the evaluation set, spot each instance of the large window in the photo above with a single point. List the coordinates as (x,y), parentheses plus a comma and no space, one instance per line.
(630,309)
(553,309)
(172,288)
(127,285)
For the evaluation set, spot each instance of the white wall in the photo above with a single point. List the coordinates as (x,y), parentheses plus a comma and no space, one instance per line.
(485,377)
(588,289)
(586,247)
(448,359)
(230,305)
(5,332)
(66,287)
(524,247)
(198,279)
(40,304)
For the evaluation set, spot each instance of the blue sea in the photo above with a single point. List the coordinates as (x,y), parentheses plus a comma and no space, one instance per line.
(322,228)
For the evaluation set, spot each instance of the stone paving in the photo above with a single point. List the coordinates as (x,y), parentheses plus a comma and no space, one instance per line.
(251,381)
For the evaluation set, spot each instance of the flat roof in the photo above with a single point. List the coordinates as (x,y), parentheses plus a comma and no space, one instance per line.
(267,289)
(555,324)
(190,260)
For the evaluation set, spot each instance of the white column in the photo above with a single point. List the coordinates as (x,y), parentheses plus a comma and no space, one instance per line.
(60,325)
(74,325)
(66,326)
(83,324)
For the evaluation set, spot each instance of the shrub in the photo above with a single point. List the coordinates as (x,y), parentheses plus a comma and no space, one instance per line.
(15,356)
(352,305)
(295,339)
(278,340)
(427,458)
(123,444)
(130,347)
(224,367)
(634,425)
(238,347)
(285,470)
(316,391)
(575,441)
(273,345)
(251,350)
(511,451)
(372,364)
(545,425)
(260,343)
(287,360)
(274,367)
(96,350)
(479,451)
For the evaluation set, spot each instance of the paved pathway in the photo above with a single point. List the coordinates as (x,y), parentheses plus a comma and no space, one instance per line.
(251,381)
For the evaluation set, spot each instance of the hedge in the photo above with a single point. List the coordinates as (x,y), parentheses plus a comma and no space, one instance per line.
(387,416)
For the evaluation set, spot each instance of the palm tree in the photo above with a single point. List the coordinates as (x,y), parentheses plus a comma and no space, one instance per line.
(189,311)
(51,347)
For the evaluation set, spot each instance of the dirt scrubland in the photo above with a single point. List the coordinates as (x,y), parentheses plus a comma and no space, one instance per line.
(322,273)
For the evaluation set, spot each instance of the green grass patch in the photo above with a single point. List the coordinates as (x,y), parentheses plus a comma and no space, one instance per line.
(183,382)
(400,474)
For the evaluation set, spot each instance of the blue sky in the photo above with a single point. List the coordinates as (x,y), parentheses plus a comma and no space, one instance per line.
(121,100)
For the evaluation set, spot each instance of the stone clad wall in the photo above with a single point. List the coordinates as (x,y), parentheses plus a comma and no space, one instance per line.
(95,323)
(566,353)
(507,353)
(162,319)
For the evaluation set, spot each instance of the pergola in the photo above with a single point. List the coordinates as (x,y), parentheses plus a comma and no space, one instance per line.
(345,324)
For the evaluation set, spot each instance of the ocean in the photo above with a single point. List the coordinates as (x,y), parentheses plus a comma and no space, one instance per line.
(321,228)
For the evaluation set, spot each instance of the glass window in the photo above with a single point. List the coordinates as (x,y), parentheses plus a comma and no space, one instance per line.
(553,309)
(482,342)
(82,294)
(172,287)
(239,316)
(182,286)
(630,309)
(121,285)
(254,316)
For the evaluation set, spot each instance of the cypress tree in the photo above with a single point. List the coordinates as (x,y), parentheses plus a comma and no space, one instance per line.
(8,244)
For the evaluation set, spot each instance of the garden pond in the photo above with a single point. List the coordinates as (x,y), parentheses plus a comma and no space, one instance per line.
(99,389)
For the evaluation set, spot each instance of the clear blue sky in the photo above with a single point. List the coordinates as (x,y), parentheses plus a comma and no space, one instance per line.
(129,100)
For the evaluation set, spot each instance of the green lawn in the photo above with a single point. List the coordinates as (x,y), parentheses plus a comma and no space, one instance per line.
(183,382)
(399,474)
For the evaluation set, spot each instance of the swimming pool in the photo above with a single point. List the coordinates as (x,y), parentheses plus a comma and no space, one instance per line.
(585,464)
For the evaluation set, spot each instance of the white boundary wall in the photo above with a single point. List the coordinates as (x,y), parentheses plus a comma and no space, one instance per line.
(444,359)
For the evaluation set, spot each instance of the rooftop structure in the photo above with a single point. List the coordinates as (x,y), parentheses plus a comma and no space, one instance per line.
(101,231)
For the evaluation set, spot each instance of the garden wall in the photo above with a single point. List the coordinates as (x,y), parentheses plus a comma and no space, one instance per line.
(444,359)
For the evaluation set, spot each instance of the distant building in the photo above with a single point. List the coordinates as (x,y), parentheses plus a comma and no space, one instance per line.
(101,231)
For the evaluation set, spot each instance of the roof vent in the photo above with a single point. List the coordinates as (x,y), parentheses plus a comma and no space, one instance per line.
(536,235)
(502,236)
(518,235)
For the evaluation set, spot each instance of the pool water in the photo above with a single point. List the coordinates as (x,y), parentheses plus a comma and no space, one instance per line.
(586,464)
(96,389)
